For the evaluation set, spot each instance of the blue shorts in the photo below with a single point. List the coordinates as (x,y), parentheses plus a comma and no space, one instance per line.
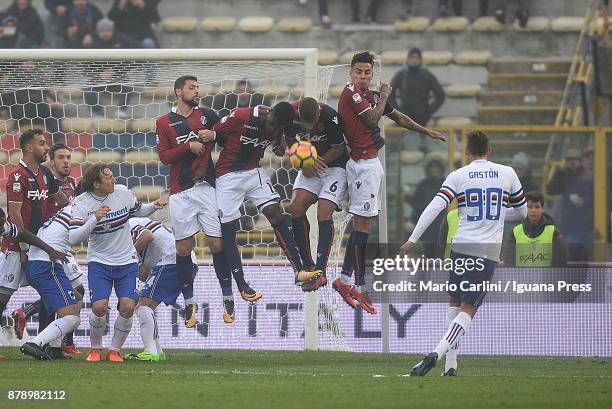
(102,278)
(464,275)
(163,284)
(51,282)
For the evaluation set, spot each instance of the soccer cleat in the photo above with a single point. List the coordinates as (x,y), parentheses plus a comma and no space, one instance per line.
(345,291)
(250,295)
(450,372)
(304,277)
(2,357)
(113,356)
(321,281)
(19,322)
(191,315)
(94,355)
(363,298)
(162,356)
(56,352)
(228,311)
(143,356)
(34,350)
(70,349)
(425,365)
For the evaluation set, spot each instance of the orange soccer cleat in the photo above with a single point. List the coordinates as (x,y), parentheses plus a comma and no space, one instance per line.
(94,355)
(365,302)
(19,322)
(113,356)
(345,291)
(70,349)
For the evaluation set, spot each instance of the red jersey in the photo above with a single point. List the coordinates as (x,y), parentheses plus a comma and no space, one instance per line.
(32,190)
(363,141)
(68,186)
(326,133)
(243,138)
(174,132)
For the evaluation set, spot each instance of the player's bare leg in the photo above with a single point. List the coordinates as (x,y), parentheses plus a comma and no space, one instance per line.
(355,260)
(185,269)
(285,239)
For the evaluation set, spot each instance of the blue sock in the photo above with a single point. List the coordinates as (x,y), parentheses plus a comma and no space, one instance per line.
(326,239)
(301,232)
(359,256)
(184,267)
(286,241)
(232,256)
(347,265)
(224,274)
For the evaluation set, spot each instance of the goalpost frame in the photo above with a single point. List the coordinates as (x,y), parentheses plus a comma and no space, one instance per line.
(308,55)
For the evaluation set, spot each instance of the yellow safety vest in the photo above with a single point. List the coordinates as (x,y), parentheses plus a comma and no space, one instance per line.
(452,219)
(534,251)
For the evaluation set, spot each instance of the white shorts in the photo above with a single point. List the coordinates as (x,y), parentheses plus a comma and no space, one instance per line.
(365,186)
(236,187)
(193,210)
(330,185)
(73,271)
(12,276)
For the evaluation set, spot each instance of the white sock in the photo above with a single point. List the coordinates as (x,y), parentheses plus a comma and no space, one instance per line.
(159,347)
(345,279)
(451,355)
(146,317)
(57,329)
(455,331)
(189,301)
(97,325)
(121,332)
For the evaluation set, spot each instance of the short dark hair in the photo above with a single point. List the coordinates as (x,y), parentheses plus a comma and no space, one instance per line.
(534,196)
(477,143)
(309,107)
(28,135)
(365,56)
(56,147)
(284,113)
(180,81)
(92,174)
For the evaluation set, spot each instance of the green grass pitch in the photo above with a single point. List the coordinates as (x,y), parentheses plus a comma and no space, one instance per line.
(270,380)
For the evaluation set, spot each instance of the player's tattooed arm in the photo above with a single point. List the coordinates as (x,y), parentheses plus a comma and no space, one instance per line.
(371,117)
(405,121)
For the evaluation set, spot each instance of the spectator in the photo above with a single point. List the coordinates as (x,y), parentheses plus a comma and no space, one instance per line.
(424,192)
(134,18)
(29,30)
(370,14)
(574,183)
(8,30)
(243,96)
(107,37)
(55,20)
(413,86)
(79,24)
(444,9)
(521,13)
(520,164)
(536,242)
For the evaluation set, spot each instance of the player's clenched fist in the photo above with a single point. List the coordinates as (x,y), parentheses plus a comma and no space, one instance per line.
(385,90)
(160,204)
(197,148)
(102,211)
(207,135)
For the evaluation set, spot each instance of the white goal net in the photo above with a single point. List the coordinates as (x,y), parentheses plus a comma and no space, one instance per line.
(105,106)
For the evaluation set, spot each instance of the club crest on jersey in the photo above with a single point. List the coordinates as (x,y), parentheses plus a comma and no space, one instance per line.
(366,206)
(45,179)
(376,98)
(357,98)
(203,120)
(17,187)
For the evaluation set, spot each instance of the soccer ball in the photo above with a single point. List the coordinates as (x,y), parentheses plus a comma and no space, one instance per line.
(302,154)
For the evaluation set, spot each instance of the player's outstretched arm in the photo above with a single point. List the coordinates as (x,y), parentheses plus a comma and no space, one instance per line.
(430,213)
(147,209)
(31,239)
(405,121)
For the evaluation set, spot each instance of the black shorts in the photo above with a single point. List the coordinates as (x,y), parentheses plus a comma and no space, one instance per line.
(469,278)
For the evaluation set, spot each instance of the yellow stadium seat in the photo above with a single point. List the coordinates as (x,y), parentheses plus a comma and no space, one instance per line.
(412,24)
(279,90)
(143,125)
(411,157)
(77,157)
(147,193)
(462,90)
(394,57)
(567,24)
(142,156)
(294,25)
(180,24)
(218,24)
(103,156)
(473,57)
(77,125)
(104,125)
(451,24)
(15,157)
(453,121)
(487,24)
(534,25)
(327,57)
(4,158)
(256,24)
(437,57)
(336,90)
